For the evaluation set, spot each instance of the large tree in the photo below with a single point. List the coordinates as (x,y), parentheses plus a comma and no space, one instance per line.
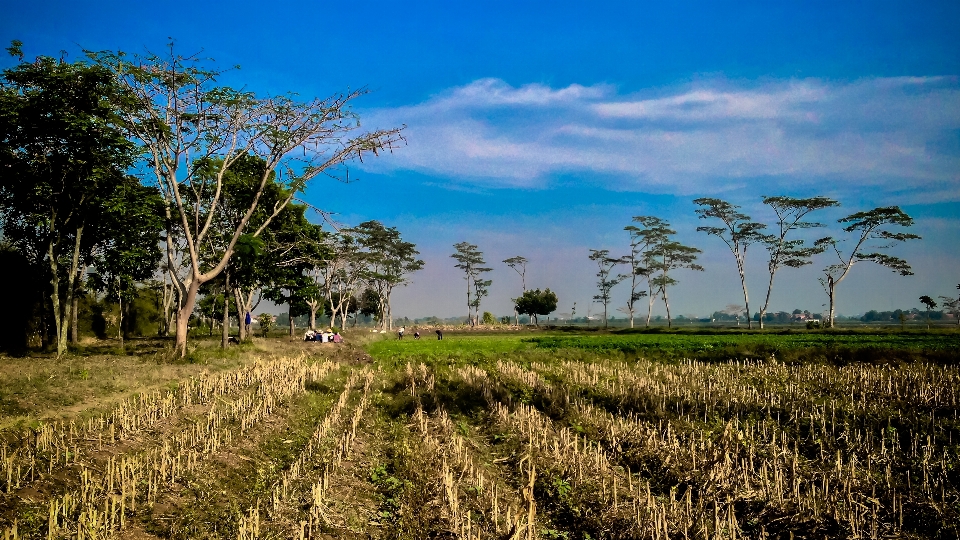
(737,232)
(792,253)
(61,156)
(865,227)
(184,118)
(390,262)
(606,280)
(536,302)
(129,251)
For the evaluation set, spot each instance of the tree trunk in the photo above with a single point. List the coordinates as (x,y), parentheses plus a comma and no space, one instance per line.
(241,314)
(225,331)
(74,337)
(125,317)
(469,305)
(666,303)
(650,298)
(831,286)
(743,284)
(55,298)
(766,302)
(390,308)
(313,314)
(120,323)
(290,316)
(183,316)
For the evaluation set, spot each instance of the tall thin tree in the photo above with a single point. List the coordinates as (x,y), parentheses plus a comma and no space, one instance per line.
(519,265)
(606,280)
(865,226)
(470,260)
(737,232)
(665,256)
(792,253)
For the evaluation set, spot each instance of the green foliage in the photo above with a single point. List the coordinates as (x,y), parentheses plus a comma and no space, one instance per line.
(266,323)
(536,302)
(488,318)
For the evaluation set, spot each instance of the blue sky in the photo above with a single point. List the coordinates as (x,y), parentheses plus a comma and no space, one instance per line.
(539,129)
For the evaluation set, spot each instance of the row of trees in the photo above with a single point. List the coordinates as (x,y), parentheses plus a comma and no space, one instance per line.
(654,256)
(214,206)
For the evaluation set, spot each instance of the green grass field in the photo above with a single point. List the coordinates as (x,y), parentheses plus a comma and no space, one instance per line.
(790,346)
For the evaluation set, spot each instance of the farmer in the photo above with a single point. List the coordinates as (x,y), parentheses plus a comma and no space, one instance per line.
(439,334)
(416,335)
(400,333)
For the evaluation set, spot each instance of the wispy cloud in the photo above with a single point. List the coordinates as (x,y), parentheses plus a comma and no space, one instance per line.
(890,133)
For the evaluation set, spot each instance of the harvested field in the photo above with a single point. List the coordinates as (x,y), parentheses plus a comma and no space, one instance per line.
(491,436)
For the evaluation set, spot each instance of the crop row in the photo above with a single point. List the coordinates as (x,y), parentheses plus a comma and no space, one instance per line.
(56,444)
(298,486)
(102,497)
(757,464)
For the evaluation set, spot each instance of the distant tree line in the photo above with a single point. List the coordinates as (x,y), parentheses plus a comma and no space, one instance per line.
(654,257)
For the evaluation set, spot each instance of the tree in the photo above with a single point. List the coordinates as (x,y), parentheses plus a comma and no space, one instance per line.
(390,261)
(734,310)
(665,256)
(183,119)
(370,304)
(129,251)
(481,288)
(738,232)
(535,303)
(952,306)
(519,265)
(790,253)
(266,323)
(343,274)
(930,303)
(652,233)
(61,156)
(470,260)
(605,282)
(641,238)
(865,226)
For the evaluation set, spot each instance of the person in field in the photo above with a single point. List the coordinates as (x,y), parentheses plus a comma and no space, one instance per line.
(400,333)
(439,334)
(416,335)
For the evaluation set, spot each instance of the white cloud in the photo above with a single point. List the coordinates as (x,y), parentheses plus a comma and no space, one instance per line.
(885,132)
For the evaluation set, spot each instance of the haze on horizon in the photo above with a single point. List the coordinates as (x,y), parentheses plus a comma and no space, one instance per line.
(540,129)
